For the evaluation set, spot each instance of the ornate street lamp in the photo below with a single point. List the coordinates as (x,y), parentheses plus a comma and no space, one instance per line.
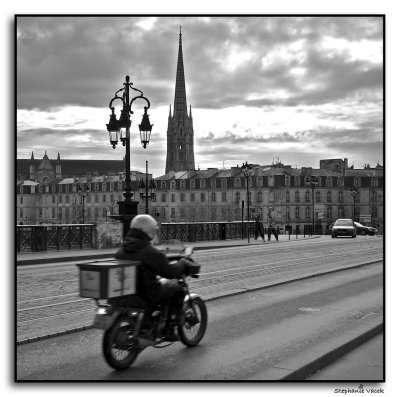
(120,129)
(83,194)
(246,171)
(144,192)
(312,182)
(354,194)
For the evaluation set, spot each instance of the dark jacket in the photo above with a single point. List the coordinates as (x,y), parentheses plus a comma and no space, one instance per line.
(137,246)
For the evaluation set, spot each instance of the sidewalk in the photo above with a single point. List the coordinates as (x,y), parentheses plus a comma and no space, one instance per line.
(365,363)
(33,258)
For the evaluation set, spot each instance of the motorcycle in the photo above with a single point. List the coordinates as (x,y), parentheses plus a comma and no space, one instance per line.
(131,328)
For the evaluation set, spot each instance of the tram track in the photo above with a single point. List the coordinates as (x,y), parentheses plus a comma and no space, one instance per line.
(212,285)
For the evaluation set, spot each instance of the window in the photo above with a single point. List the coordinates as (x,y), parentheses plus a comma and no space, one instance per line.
(341,212)
(21,200)
(66,188)
(183,212)
(329,211)
(96,198)
(112,186)
(374,212)
(271,181)
(260,197)
(374,182)
(213,183)
(203,183)
(317,197)
(96,187)
(192,184)
(224,197)
(329,182)
(96,212)
(340,182)
(119,185)
(237,199)
(172,198)
(287,180)
(182,197)
(53,199)
(297,196)
(203,197)
(163,198)
(308,212)
(53,189)
(340,197)
(297,213)
(103,186)
(373,196)
(172,185)
(172,213)
(357,181)
(104,198)
(296,180)
(53,212)
(111,198)
(329,196)
(192,197)
(237,182)
(104,211)
(288,213)
(67,199)
(213,197)
(163,185)
(307,196)
(224,183)
(182,184)
(287,196)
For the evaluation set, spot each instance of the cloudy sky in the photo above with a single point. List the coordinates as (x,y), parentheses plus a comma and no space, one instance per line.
(261,88)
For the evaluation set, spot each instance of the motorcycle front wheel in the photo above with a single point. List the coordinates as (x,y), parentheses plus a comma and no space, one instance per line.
(194,323)
(120,347)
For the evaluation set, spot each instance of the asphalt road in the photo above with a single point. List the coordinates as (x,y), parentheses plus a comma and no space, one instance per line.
(247,333)
(48,300)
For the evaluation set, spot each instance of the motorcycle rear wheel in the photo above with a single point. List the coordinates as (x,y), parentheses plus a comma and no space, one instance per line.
(190,333)
(120,347)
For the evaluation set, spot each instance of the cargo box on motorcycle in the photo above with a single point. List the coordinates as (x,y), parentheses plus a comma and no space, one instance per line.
(109,279)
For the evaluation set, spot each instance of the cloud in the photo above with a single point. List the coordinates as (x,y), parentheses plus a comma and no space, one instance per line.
(299,82)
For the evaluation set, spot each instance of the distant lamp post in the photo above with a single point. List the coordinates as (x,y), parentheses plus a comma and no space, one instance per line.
(120,129)
(312,182)
(83,194)
(246,171)
(144,192)
(354,194)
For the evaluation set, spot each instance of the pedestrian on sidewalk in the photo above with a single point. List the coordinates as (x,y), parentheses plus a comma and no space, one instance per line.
(259,228)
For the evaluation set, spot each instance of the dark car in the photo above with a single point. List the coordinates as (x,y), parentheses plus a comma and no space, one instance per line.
(343,227)
(365,230)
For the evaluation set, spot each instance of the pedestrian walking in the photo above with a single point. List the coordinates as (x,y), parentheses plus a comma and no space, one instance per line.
(259,228)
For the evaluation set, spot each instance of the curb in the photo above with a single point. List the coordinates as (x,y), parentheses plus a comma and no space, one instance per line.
(209,299)
(302,365)
(41,261)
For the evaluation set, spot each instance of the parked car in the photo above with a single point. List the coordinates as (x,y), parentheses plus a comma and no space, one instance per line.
(363,230)
(343,227)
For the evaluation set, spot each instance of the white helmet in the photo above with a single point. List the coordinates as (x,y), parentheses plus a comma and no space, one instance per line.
(146,223)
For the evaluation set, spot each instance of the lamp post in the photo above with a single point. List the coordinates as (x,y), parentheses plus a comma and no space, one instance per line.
(121,129)
(83,194)
(144,189)
(354,194)
(246,170)
(312,182)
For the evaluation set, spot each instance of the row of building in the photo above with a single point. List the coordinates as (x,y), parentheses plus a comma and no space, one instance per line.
(213,195)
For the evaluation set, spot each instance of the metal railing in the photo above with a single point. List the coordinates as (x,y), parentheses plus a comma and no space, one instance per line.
(35,238)
(205,231)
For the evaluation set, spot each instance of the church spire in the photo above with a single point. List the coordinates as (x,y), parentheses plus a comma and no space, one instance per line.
(180,105)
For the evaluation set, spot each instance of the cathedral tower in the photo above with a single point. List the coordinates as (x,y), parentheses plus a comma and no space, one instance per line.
(180,153)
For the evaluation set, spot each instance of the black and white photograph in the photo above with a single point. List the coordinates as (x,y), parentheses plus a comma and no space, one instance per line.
(200,198)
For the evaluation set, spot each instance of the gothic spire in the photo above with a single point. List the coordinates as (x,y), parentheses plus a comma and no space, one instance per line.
(180,105)
(32,158)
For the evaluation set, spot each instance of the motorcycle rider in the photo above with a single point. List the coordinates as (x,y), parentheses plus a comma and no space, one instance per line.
(138,246)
